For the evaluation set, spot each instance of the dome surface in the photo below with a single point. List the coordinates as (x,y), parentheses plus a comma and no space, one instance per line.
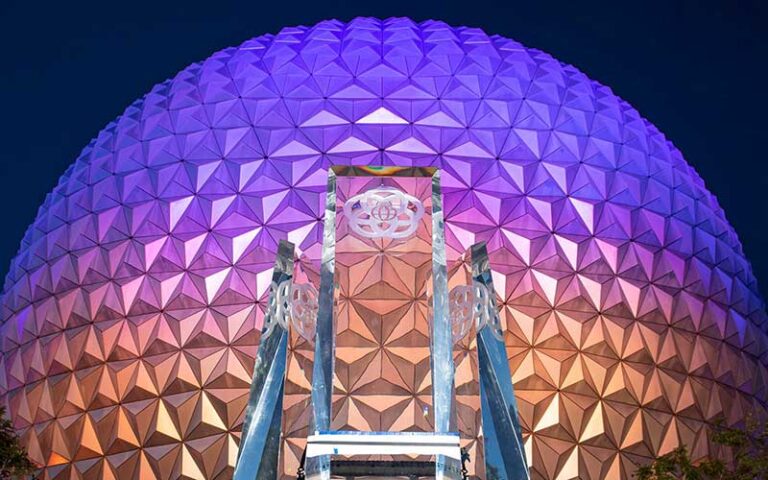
(131,314)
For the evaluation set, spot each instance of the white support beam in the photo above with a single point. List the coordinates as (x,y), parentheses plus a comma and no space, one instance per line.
(383,443)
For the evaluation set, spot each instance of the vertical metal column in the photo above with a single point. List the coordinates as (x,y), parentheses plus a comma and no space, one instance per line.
(441,340)
(502,438)
(319,468)
(260,442)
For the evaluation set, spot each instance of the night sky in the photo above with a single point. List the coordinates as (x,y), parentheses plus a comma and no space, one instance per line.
(695,69)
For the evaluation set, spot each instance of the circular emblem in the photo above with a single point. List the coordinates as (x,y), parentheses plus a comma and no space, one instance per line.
(279,307)
(384,212)
(467,303)
(304,306)
(297,303)
(461,307)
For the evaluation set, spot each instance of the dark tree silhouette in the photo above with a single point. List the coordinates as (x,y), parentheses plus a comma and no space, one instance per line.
(14,462)
(749,447)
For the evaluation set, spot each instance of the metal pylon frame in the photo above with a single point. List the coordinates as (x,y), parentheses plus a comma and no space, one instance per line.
(504,454)
(502,437)
(258,456)
(441,341)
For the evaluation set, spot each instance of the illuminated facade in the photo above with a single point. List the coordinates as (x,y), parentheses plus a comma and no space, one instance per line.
(132,313)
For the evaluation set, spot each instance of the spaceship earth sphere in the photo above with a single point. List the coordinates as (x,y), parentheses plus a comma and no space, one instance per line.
(131,315)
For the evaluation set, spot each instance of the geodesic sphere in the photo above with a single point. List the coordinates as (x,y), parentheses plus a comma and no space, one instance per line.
(131,314)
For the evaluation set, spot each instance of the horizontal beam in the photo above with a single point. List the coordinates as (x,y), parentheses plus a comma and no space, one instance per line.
(383,443)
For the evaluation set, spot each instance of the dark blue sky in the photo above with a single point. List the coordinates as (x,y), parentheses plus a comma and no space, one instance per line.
(696,69)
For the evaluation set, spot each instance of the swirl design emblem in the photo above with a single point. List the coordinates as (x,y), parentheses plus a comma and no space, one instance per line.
(304,305)
(295,303)
(279,307)
(384,213)
(466,303)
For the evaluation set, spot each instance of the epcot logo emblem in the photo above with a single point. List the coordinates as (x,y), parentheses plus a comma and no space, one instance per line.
(279,307)
(304,306)
(472,302)
(384,212)
(297,303)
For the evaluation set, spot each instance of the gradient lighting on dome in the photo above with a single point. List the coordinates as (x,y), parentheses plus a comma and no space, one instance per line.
(133,309)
